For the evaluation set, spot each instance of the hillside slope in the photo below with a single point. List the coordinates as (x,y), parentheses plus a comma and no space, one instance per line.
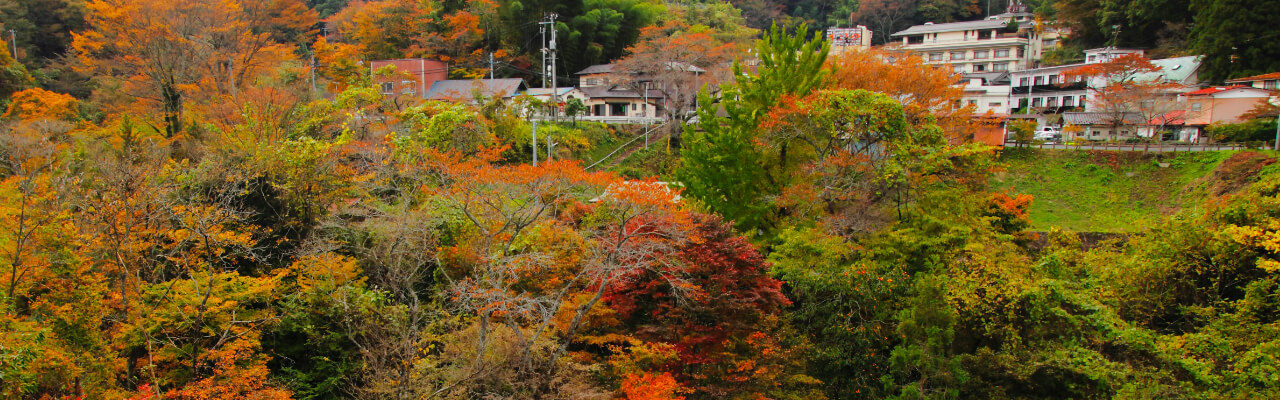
(1102,191)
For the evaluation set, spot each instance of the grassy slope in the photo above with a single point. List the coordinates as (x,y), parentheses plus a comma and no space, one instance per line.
(1105,191)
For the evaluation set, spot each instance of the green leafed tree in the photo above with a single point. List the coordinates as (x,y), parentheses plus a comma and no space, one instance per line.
(724,165)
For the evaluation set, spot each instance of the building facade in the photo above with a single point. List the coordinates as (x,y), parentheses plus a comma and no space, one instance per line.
(1000,43)
(987,92)
(412,77)
(1223,104)
(849,39)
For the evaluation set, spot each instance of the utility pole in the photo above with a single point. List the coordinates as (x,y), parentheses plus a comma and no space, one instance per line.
(313,70)
(549,53)
(231,74)
(550,146)
(542,28)
(13,43)
(555,98)
(534,143)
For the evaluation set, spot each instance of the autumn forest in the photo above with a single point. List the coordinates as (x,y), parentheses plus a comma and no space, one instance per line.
(213,199)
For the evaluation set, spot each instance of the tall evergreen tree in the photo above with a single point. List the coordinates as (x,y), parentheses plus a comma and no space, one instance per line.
(1237,37)
(723,167)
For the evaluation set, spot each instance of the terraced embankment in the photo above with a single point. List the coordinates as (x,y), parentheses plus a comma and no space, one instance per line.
(1109,191)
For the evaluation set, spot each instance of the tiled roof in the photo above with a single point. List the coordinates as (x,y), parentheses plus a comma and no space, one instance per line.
(1215,89)
(671,65)
(462,88)
(1098,118)
(597,69)
(1175,117)
(1263,77)
(953,27)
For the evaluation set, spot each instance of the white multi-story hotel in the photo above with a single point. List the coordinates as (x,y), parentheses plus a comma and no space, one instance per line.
(981,46)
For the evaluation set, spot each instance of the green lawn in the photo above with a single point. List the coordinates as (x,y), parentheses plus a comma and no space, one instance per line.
(1102,191)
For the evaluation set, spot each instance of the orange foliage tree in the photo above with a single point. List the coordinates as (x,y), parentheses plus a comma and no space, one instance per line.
(387,29)
(925,91)
(164,53)
(647,386)
(37,103)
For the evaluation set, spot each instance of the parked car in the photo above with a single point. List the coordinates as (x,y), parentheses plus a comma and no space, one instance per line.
(1048,133)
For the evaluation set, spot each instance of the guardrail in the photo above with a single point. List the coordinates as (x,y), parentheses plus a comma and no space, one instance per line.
(608,120)
(644,136)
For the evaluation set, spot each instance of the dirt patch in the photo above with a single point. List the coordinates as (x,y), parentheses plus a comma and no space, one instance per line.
(1088,240)
(1237,172)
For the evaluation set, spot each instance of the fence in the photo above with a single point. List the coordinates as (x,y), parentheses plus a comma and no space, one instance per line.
(1142,147)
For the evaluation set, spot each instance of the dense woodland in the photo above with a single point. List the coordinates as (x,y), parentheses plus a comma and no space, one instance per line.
(188,214)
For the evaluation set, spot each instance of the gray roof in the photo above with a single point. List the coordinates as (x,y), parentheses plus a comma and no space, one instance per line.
(1176,69)
(953,27)
(1098,118)
(463,88)
(617,92)
(671,65)
(991,77)
(597,69)
(563,90)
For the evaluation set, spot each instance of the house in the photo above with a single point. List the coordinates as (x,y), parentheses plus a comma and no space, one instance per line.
(612,92)
(563,94)
(599,75)
(986,91)
(848,39)
(413,77)
(1106,54)
(1269,81)
(623,101)
(980,46)
(1222,104)
(1103,126)
(1173,122)
(468,90)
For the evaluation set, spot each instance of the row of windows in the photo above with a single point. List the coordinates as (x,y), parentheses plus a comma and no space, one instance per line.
(975,55)
(1050,79)
(975,103)
(407,87)
(962,68)
(1066,101)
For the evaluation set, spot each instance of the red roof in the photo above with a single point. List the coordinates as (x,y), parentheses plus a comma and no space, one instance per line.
(1216,89)
(1263,77)
(1174,117)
